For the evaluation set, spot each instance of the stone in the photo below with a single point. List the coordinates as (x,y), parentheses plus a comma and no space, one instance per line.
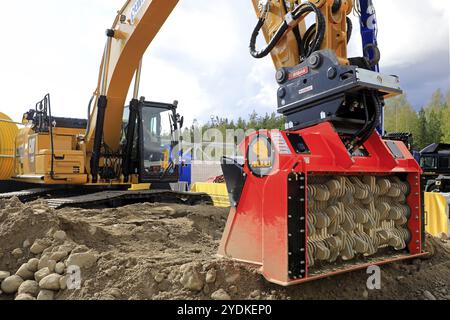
(11,284)
(50,282)
(400,278)
(59,255)
(211,276)
(160,277)
(428,295)
(191,279)
(33,264)
(255,295)
(4,275)
(17,253)
(26,244)
(24,297)
(115,293)
(84,260)
(24,272)
(59,268)
(44,261)
(233,278)
(63,282)
(46,295)
(60,236)
(29,287)
(51,265)
(233,290)
(39,246)
(366,294)
(220,295)
(41,274)
(80,249)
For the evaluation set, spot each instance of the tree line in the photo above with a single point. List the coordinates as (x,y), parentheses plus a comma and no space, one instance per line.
(429,125)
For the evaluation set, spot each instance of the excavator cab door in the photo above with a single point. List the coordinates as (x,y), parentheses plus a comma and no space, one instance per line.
(157,143)
(153,157)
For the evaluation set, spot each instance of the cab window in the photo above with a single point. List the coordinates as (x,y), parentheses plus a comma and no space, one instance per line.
(428,162)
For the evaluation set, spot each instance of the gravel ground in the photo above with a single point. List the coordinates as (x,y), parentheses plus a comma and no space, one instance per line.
(164,251)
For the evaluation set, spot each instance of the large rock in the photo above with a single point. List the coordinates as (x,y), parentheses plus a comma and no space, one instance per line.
(33,264)
(4,275)
(46,261)
(83,260)
(220,295)
(59,268)
(46,295)
(60,236)
(59,255)
(63,282)
(17,253)
(39,246)
(29,287)
(25,297)
(211,276)
(51,282)
(191,279)
(428,295)
(24,272)
(11,284)
(41,274)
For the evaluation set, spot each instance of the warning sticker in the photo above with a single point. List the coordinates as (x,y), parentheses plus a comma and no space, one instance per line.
(305,90)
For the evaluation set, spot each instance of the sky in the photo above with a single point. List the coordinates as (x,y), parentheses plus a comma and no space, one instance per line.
(200,57)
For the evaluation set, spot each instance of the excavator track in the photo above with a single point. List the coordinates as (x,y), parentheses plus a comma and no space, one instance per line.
(27,195)
(121,198)
(82,198)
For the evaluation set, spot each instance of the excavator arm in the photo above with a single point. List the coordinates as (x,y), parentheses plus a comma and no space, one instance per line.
(134,28)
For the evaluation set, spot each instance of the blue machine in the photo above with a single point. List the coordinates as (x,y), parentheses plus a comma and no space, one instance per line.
(369,34)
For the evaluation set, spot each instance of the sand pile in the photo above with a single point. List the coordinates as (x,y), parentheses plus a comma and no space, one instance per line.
(162,251)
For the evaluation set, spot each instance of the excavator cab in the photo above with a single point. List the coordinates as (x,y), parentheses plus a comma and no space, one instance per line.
(153,157)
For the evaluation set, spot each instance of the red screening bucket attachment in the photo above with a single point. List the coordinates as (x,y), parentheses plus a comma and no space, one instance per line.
(304,209)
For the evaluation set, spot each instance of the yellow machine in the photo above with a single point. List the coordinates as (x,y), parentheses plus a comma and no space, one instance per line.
(60,151)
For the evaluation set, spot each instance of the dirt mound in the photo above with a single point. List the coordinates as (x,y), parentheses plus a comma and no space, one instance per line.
(159,251)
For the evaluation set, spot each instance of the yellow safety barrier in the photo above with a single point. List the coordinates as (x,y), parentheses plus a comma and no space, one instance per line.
(217,191)
(436,214)
(8,133)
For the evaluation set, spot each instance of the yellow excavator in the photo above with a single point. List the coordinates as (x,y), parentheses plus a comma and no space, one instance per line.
(327,193)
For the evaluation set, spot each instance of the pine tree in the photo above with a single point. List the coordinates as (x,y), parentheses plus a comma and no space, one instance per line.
(421,140)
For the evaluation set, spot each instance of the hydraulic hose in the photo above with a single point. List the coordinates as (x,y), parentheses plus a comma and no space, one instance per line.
(313,43)
(371,124)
